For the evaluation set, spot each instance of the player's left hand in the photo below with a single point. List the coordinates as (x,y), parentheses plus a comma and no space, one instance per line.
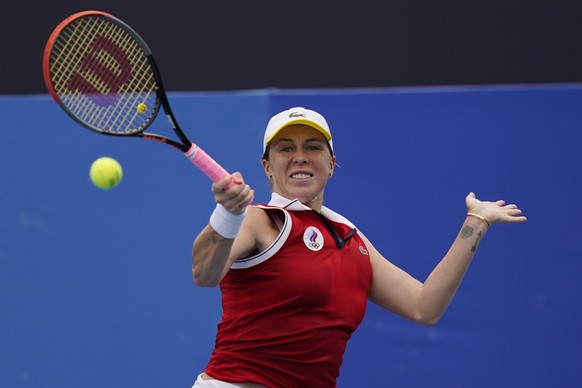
(494,212)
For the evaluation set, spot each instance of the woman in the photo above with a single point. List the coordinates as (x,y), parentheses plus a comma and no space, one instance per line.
(295,276)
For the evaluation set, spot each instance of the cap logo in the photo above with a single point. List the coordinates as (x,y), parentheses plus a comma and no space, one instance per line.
(295,114)
(313,239)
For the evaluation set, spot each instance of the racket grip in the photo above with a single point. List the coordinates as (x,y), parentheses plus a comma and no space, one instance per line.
(207,165)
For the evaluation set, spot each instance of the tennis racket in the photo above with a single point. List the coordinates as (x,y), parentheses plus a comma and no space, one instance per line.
(103,74)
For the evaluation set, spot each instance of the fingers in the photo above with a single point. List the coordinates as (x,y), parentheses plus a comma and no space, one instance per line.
(234,198)
(514,212)
(511,219)
(497,212)
(509,214)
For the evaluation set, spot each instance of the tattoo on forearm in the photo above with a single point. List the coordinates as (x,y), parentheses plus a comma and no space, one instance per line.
(477,241)
(466,232)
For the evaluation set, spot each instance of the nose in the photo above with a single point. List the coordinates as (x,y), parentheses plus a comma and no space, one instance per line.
(300,157)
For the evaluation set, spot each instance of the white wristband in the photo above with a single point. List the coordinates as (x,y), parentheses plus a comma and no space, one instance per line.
(225,223)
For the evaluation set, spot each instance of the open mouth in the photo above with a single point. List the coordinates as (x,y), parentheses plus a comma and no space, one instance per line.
(301,176)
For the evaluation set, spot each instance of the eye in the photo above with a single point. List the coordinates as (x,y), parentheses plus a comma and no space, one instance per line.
(314,146)
(285,148)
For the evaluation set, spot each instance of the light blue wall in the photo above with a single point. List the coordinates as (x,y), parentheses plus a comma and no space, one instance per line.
(95,286)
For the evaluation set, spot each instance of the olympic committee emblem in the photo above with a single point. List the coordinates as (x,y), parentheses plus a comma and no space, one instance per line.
(313,238)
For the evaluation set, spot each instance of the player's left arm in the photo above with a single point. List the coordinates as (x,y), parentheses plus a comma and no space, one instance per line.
(397,291)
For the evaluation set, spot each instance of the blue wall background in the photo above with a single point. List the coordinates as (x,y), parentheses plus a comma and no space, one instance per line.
(95,286)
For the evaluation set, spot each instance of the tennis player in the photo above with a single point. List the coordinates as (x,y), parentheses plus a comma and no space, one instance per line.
(295,276)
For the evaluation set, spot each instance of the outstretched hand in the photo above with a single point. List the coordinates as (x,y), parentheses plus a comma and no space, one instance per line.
(494,212)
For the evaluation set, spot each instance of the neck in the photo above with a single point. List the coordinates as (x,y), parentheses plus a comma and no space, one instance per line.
(316,203)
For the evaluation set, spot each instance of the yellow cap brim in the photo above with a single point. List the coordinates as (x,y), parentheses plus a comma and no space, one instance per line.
(312,124)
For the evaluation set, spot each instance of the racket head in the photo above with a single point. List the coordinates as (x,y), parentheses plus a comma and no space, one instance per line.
(101,72)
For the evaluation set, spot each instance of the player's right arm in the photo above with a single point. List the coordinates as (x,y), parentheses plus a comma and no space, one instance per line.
(213,253)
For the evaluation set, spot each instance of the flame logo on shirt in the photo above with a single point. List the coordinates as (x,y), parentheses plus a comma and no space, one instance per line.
(313,238)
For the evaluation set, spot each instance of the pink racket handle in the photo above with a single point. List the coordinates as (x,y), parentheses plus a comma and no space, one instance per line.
(207,165)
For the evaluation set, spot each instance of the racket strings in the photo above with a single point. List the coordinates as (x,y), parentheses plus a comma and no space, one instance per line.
(143,83)
(103,76)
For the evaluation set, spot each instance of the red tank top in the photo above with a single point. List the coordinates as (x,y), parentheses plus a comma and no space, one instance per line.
(289,311)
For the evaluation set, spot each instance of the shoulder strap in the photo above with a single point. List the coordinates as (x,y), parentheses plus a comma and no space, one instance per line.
(283,223)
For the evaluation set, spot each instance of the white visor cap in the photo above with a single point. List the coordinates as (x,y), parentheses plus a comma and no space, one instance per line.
(296,115)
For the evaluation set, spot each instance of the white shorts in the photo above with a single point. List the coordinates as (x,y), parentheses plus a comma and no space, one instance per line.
(200,383)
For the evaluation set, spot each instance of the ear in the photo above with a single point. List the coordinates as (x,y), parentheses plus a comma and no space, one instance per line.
(267,169)
(332,165)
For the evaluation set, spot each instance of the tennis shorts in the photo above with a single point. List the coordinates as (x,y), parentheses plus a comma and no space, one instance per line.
(200,383)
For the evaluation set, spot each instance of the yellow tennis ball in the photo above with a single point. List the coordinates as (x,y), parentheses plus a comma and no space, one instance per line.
(142,108)
(106,173)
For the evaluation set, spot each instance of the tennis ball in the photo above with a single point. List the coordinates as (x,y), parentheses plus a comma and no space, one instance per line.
(105,173)
(142,108)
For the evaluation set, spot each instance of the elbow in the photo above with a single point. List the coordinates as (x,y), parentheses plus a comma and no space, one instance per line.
(200,273)
(431,307)
(201,280)
(204,284)
(427,319)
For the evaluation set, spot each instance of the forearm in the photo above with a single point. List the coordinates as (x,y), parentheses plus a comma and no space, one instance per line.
(210,254)
(442,284)
(397,291)
(212,248)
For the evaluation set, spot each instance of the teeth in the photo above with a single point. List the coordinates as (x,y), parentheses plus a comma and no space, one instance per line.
(300,176)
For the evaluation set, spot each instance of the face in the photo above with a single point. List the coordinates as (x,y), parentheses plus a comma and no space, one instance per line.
(299,164)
